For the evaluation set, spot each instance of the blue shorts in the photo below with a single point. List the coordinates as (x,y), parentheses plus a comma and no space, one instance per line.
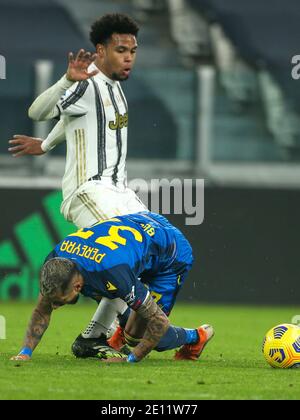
(164,287)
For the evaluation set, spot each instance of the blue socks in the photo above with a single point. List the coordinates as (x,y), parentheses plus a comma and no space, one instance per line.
(176,337)
(192,336)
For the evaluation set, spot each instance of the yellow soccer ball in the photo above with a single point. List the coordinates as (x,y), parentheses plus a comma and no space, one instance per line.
(281,346)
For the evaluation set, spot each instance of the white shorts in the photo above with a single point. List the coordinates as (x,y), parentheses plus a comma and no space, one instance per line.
(95,202)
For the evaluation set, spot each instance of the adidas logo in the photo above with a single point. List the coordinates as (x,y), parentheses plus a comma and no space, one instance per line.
(31,241)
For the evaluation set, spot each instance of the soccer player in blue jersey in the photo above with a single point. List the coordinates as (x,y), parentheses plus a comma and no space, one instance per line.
(140,258)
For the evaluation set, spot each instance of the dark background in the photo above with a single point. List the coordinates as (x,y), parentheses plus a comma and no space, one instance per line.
(246,250)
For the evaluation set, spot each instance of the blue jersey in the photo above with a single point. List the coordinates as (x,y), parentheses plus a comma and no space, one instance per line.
(121,257)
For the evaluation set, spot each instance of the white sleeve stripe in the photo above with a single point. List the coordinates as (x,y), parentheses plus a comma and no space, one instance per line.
(76,95)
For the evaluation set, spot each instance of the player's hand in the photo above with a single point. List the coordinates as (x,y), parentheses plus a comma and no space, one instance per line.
(24,145)
(78,66)
(20,357)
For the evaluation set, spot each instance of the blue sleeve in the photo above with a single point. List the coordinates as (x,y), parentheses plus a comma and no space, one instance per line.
(123,283)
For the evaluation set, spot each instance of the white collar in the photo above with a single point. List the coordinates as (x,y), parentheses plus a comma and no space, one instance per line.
(101,75)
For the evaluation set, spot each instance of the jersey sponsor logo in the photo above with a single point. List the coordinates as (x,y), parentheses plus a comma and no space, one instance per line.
(110,287)
(120,122)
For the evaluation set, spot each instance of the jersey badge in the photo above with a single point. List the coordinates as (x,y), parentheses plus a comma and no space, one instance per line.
(110,287)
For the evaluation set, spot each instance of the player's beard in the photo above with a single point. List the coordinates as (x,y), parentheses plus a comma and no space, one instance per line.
(74,301)
(119,78)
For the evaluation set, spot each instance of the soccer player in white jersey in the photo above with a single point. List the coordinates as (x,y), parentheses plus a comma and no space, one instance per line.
(93,114)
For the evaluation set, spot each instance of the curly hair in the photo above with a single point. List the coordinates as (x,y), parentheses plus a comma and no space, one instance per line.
(103,28)
(55,277)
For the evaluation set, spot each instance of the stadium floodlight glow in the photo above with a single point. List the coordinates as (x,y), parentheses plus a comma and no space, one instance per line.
(2,328)
(2,67)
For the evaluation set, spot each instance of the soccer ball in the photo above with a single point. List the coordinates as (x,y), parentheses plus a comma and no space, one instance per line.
(281,346)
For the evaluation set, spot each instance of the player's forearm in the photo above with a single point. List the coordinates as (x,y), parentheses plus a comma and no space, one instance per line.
(55,137)
(37,326)
(44,107)
(156,329)
(157,326)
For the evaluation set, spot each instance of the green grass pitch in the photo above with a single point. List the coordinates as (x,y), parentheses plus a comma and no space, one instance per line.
(232,366)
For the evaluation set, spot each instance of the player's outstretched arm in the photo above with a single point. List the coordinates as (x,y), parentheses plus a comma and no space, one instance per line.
(25,145)
(37,326)
(44,107)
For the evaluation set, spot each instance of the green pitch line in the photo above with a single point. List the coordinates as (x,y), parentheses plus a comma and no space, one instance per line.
(232,365)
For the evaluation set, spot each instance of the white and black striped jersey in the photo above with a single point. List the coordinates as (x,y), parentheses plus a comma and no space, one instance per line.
(95,116)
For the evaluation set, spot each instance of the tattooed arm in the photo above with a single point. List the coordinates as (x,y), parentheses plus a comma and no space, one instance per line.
(157,325)
(38,324)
